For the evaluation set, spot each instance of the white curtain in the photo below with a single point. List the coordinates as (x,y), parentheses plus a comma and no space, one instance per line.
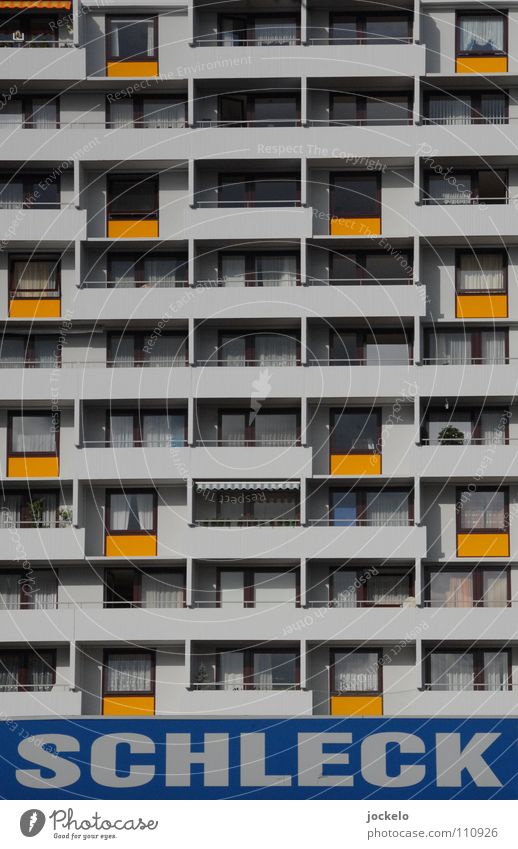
(161,589)
(40,672)
(480,273)
(494,589)
(13,352)
(9,591)
(495,671)
(483,510)
(11,195)
(44,114)
(480,34)
(344,589)
(264,663)
(158,113)
(274,588)
(272,32)
(451,348)
(232,670)
(131,511)
(492,428)
(451,589)
(458,193)
(166,351)
(33,434)
(357,672)
(275,429)
(43,590)
(231,588)
(387,589)
(123,352)
(33,276)
(164,271)
(45,352)
(387,508)
(277,270)
(493,347)
(233,270)
(8,673)
(11,115)
(121,431)
(450,110)
(11,511)
(275,350)
(128,673)
(451,671)
(162,430)
(233,351)
(121,113)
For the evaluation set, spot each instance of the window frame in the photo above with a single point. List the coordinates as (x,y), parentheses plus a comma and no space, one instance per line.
(474,175)
(27,339)
(248,509)
(139,345)
(28,181)
(336,176)
(138,261)
(109,572)
(360,25)
(249,181)
(109,20)
(504,529)
(23,668)
(250,345)
(362,596)
(55,419)
(249,439)
(107,651)
(129,491)
(479,684)
(477,572)
(248,665)
(137,415)
(30,496)
(137,101)
(475,414)
(367,411)
(475,103)
(359,259)
(475,335)
(54,260)
(361,108)
(111,197)
(249,102)
(333,691)
(362,341)
(360,493)
(461,252)
(24,598)
(250,20)
(500,13)
(250,579)
(251,264)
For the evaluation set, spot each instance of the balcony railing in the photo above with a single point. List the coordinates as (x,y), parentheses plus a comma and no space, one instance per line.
(494,119)
(472,687)
(247,523)
(266,362)
(259,122)
(359,122)
(257,280)
(331,522)
(360,281)
(221,685)
(141,284)
(460,199)
(468,440)
(35,42)
(251,203)
(280,37)
(135,443)
(467,361)
(338,361)
(243,442)
(332,604)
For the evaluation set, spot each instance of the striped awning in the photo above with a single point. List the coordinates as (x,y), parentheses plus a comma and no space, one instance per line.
(203,486)
(35,4)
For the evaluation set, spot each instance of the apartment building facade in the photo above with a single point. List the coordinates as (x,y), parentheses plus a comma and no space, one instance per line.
(257,368)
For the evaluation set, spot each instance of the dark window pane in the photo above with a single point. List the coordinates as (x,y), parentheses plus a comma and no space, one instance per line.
(355,195)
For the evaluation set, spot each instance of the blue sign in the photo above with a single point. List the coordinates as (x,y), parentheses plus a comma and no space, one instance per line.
(335,758)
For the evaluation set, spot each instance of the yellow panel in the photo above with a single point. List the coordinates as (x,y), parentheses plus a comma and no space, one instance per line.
(128,706)
(355,226)
(35,4)
(35,308)
(33,467)
(356,705)
(481,65)
(482,545)
(130,545)
(355,464)
(132,69)
(147,229)
(481,306)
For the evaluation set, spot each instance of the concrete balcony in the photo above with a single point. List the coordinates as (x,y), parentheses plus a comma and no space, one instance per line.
(470,623)
(245,223)
(51,625)
(240,703)
(465,220)
(36,384)
(47,544)
(446,703)
(40,225)
(43,63)
(59,702)
(441,462)
(493,381)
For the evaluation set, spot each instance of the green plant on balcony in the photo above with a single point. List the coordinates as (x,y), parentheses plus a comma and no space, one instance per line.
(451,435)
(36,512)
(65,517)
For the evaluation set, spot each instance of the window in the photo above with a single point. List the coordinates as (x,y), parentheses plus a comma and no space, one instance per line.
(265,30)
(35,31)
(129,271)
(154,588)
(259,349)
(379,110)
(467,426)
(355,431)
(473,669)
(36,276)
(29,352)
(132,350)
(229,504)
(129,672)
(247,669)
(33,434)
(19,591)
(449,347)
(481,272)
(360,268)
(265,110)
(357,671)
(146,429)
(482,510)
(378,348)
(480,587)
(377,588)
(27,670)
(146,112)
(371,507)
(265,190)
(39,113)
(355,195)
(263,588)
(266,428)
(134,197)
(132,39)
(32,509)
(481,34)
(467,108)
(131,511)
(371,29)
(29,191)
(262,269)
(467,187)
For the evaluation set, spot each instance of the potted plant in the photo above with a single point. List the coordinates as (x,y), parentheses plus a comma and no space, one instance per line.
(65,517)
(451,435)
(36,510)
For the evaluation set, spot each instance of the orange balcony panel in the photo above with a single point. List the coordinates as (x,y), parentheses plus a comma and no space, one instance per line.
(483,545)
(130,545)
(355,226)
(35,4)
(356,705)
(128,706)
(132,69)
(481,64)
(481,306)
(33,467)
(130,229)
(35,308)
(355,464)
